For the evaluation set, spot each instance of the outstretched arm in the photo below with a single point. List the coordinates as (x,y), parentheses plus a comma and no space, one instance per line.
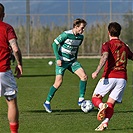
(55,48)
(18,56)
(102,62)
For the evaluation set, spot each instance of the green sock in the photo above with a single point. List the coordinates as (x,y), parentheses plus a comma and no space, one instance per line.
(51,93)
(82,86)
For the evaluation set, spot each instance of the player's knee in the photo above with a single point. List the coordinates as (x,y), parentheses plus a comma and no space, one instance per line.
(85,77)
(57,84)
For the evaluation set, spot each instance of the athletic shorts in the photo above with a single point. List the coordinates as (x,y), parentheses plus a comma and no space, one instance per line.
(8,86)
(115,86)
(72,66)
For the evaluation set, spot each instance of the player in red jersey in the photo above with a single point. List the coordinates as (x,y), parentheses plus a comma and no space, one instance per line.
(8,86)
(115,54)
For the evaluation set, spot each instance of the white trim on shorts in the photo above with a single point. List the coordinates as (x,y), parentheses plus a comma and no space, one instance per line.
(114,86)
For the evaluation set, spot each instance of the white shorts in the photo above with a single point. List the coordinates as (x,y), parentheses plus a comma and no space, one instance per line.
(115,86)
(8,86)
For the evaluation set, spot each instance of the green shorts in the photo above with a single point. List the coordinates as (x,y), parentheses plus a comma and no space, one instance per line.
(72,66)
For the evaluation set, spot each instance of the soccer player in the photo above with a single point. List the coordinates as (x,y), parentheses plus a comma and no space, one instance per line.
(115,55)
(8,86)
(65,48)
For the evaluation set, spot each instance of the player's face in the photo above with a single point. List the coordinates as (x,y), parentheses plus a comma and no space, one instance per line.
(80,29)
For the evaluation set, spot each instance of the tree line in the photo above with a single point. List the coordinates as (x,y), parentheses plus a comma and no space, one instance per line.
(41,37)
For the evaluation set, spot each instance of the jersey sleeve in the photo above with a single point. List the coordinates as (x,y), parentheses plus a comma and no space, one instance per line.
(61,38)
(130,53)
(105,48)
(11,33)
(55,49)
(58,41)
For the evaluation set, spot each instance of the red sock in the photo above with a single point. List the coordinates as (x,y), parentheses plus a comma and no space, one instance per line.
(109,110)
(14,127)
(96,101)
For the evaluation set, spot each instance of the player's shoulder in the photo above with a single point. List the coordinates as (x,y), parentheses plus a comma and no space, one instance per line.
(68,32)
(105,43)
(6,24)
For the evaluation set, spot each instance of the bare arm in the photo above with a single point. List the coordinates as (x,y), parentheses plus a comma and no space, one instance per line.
(18,56)
(102,62)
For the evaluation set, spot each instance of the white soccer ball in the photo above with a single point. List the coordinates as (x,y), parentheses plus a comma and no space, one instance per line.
(50,63)
(87,106)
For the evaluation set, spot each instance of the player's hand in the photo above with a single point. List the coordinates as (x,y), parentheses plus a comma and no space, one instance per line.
(94,75)
(59,62)
(18,71)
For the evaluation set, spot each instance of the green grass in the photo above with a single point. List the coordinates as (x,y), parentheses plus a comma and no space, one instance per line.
(66,117)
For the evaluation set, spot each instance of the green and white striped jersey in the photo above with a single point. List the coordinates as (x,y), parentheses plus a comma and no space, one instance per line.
(68,45)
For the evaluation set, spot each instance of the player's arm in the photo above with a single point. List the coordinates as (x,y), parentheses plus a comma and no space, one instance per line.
(58,41)
(102,62)
(55,49)
(18,56)
(130,54)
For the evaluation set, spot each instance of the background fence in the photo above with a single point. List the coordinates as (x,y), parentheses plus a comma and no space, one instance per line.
(38,22)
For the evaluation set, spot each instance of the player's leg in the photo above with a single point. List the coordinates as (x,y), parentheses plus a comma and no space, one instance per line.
(13,115)
(58,81)
(109,113)
(9,90)
(52,91)
(102,88)
(115,95)
(82,85)
(54,87)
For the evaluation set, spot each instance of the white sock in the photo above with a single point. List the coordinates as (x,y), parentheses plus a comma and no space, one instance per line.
(81,99)
(100,105)
(106,120)
(47,102)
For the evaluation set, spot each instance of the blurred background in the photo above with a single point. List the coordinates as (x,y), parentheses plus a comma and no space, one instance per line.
(38,22)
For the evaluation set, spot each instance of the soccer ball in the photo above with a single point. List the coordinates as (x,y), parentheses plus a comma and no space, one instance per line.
(50,63)
(86,106)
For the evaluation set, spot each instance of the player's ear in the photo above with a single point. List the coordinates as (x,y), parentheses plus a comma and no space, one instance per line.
(108,33)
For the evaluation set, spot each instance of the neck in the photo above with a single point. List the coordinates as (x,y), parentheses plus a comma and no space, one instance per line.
(74,32)
(113,37)
(1,19)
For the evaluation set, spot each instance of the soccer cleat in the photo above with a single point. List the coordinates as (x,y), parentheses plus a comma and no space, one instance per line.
(101,113)
(79,102)
(102,127)
(47,107)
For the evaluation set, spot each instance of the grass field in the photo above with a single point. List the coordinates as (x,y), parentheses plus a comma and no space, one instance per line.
(66,117)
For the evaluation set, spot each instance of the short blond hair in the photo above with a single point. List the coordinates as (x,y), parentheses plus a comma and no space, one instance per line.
(78,21)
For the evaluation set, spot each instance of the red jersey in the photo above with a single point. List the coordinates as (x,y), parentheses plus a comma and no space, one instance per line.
(119,53)
(6,33)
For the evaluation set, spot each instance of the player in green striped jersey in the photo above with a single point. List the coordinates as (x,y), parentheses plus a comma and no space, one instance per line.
(65,48)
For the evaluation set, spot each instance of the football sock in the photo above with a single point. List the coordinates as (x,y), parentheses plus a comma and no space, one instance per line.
(14,127)
(81,99)
(106,120)
(100,105)
(109,110)
(51,93)
(82,86)
(96,101)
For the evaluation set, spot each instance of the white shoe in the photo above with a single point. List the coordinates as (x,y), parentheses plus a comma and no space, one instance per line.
(102,127)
